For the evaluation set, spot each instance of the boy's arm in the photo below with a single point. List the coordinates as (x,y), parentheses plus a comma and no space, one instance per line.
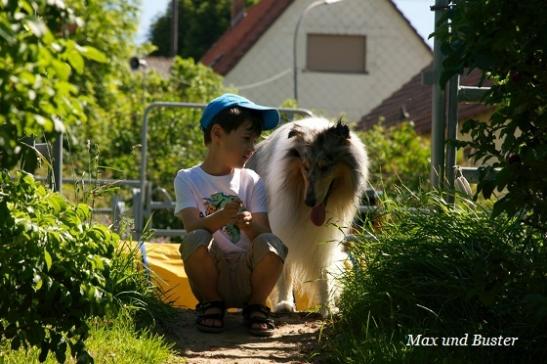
(254,224)
(192,221)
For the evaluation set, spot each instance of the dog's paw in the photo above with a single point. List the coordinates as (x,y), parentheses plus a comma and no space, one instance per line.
(327,311)
(285,306)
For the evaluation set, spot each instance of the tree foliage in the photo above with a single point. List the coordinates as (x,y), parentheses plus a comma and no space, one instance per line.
(60,67)
(507,41)
(36,95)
(201,23)
(110,26)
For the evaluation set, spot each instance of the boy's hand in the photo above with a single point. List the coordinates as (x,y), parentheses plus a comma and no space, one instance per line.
(244,219)
(230,211)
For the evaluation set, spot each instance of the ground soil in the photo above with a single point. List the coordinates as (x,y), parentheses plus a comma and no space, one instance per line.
(296,336)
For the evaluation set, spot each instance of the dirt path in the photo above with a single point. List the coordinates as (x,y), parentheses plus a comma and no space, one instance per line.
(293,342)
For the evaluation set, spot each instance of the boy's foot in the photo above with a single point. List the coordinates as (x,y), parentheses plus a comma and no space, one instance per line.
(257,319)
(210,316)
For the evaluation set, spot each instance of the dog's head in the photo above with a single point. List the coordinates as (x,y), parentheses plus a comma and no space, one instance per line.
(325,161)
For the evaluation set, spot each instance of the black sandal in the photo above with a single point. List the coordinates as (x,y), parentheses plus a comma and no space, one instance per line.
(251,321)
(201,308)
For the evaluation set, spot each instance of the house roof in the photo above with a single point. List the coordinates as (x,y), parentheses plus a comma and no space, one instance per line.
(413,101)
(228,50)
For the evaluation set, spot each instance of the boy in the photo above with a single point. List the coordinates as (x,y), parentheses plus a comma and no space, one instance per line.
(230,256)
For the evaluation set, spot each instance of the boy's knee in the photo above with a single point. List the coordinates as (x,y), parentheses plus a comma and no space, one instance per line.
(193,241)
(268,243)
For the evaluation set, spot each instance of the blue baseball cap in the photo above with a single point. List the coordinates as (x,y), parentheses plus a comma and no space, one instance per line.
(270,115)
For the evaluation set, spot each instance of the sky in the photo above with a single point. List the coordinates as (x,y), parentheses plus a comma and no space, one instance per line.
(416,11)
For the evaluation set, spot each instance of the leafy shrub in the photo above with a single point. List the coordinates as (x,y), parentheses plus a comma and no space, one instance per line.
(55,269)
(443,272)
(397,156)
(512,52)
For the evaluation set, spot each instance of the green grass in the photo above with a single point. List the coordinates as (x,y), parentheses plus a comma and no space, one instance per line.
(110,341)
(442,272)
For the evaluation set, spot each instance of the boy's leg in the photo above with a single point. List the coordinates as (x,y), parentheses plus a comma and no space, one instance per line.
(201,270)
(264,277)
(268,255)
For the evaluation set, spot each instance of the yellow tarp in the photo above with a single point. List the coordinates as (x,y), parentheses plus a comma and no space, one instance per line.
(165,263)
(167,272)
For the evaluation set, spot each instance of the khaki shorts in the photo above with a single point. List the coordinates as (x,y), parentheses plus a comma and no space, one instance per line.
(234,282)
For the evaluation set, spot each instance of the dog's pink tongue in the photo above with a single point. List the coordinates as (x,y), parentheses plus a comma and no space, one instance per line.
(318,214)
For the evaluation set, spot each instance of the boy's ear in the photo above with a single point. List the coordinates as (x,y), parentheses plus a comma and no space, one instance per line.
(216,131)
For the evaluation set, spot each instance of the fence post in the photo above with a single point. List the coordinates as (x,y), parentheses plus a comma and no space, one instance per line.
(118,209)
(452,131)
(137,209)
(439,106)
(58,163)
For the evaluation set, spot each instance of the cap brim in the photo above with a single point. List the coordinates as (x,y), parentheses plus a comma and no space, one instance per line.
(270,116)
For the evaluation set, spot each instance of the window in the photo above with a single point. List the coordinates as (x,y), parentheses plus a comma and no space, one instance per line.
(336,53)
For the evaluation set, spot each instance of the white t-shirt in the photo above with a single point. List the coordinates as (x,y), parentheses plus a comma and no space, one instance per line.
(196,188)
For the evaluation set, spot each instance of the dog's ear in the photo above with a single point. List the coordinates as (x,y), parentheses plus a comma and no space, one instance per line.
(342,130)
(296,132)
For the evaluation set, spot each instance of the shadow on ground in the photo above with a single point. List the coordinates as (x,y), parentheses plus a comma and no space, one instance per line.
(295,338)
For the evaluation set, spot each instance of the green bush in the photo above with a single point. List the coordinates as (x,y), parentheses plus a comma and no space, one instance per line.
(55,269)
(443,272)
(397,156)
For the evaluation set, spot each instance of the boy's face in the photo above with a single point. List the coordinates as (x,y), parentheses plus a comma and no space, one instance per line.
(237,146)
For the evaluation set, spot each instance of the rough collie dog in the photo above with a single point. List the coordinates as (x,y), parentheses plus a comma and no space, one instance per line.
(315,173)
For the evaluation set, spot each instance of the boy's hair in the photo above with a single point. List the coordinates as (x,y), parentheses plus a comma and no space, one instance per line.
(231,118)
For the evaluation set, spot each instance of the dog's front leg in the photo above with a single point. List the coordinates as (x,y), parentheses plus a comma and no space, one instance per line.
(285,298)
(328,294)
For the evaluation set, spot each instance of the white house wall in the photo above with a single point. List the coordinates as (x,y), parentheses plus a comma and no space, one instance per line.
(394,55)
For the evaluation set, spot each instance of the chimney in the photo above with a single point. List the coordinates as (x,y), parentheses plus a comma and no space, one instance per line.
(237,11)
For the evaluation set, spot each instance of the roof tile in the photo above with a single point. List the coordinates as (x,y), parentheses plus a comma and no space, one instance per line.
(416,99)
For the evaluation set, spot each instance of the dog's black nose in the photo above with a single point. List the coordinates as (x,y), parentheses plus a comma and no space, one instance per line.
(310,201)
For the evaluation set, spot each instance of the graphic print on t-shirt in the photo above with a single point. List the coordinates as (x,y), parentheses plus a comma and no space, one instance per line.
(216,202)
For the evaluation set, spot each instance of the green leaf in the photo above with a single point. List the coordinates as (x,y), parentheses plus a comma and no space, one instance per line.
(62,69)
(76,61)
(93,54)
(37,282)
(48,259)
